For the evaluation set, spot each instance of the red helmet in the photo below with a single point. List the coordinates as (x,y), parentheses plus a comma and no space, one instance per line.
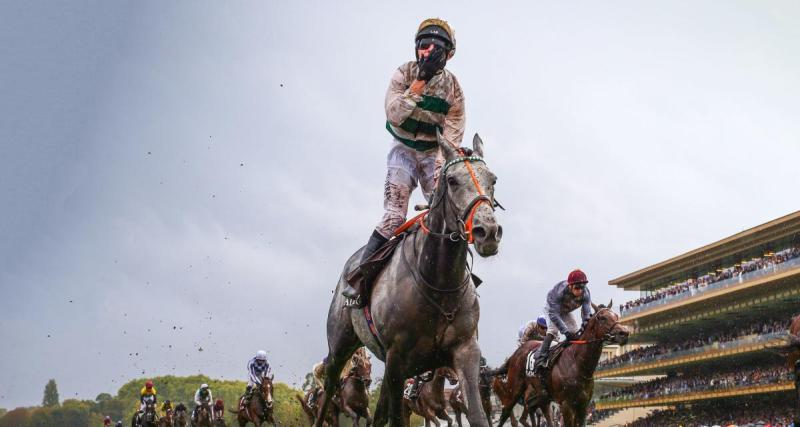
(577,277)
(148,384)
(219,402)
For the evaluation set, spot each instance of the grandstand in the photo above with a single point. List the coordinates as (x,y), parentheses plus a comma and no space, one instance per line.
(703,324)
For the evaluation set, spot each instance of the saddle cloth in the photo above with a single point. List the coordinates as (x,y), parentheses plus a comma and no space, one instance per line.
(555,352)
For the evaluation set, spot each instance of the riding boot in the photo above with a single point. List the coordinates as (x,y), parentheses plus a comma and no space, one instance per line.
(540,365)
(248,393)
(376,240)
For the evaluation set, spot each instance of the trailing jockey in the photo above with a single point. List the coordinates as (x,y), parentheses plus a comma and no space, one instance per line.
(257,368)
(166,407)
(533,330)
(218,410)
(318,371)
(565,297)
(148,393)
(423,97)
(202,397)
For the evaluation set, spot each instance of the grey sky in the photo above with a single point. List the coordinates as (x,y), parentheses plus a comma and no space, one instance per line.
(178,176)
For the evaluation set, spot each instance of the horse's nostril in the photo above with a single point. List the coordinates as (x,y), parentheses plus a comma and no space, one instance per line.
(479,233)
(499,232)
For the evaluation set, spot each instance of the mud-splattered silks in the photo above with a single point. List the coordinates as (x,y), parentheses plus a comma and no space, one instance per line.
(414,157)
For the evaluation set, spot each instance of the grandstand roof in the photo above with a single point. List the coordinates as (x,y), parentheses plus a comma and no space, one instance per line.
(714,255)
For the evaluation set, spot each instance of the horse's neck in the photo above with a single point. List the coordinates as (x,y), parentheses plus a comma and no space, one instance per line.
(442,262)
(587,356)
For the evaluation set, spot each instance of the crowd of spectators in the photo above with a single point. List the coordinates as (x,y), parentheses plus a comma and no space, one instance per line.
(693,286)
(656,351)
(695,382)
(772,415)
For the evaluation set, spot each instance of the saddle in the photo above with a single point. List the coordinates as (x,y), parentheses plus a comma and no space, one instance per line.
(555,353)
(363,276)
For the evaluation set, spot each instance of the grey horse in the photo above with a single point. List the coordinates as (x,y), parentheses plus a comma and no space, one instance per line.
(423,304)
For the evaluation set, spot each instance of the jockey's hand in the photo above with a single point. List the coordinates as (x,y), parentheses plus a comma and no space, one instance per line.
(571,336)
(431,62)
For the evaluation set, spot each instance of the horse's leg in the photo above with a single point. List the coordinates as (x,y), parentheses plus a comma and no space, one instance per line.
(442,414)
(381,409)
(458,416)
(393,380)
(568,414)
(505,413)
(368,417)
(465,361)
(337,358)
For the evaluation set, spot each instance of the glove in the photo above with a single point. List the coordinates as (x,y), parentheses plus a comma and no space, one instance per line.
(571,336)
(431,64)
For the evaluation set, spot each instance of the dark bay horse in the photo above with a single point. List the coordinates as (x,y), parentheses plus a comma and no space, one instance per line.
(430,403)
(202,417)
(423,304)
(260,409)
(168,420)
(181,419)
(485,388)
(572,376)
(354,392)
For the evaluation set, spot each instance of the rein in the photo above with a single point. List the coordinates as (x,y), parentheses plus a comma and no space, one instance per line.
(606,337)
(466,217)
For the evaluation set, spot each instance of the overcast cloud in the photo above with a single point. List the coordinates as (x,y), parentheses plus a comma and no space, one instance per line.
(181,176)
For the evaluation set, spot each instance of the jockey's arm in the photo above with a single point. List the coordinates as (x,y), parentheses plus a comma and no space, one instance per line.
(554,311)
(455,120)
(197,399)
(586,308)
(400,99)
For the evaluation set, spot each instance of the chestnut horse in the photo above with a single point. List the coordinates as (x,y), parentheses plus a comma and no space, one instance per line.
(507,403)
(430,402)
(261,406)
(572,375)
(354,391)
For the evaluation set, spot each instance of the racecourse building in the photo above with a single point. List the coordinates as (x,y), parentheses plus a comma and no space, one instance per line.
(706,325)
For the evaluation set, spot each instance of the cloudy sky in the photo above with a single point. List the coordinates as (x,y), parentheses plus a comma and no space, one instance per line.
(181,182)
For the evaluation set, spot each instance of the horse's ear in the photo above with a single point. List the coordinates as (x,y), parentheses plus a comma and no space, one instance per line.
(594,307)
(477,145)
(611,303)
(447,150)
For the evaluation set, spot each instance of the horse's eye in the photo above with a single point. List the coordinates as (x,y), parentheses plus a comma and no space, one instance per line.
(451,180)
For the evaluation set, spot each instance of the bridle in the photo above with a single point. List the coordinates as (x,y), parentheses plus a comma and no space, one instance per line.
(608,337)
(465,218)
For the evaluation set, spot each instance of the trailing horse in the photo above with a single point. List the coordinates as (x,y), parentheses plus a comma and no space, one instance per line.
(261,406)
(430,403)
(571,375)
(507,403)
(168,420)
(146,419)
(181,419)
(202,417)
(354,392)
(424,309)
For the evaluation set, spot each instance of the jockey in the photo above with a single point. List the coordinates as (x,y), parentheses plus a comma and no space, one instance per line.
(107,421)
(565,297)
(411,391)
(218,410)
(318,372)
(180,407)
(533,330)
(147,394)
(202,397)
(423,98)
(119,424)
(166,406)
(257,368)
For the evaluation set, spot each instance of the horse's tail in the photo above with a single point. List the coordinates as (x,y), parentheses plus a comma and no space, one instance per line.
(500,370)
